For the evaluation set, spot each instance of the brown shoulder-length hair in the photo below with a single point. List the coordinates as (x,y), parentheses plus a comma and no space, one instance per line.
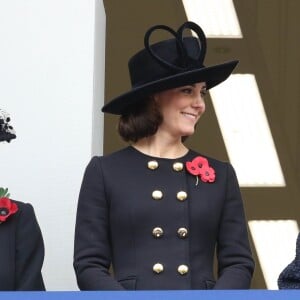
(142,120)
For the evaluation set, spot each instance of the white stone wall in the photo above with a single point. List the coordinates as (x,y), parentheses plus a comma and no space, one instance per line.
(47,56)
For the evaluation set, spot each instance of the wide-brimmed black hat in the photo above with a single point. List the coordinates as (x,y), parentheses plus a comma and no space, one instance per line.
(169,64)
(7,133)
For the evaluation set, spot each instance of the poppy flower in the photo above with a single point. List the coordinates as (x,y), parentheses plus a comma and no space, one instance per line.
(196,165)
(7,208)
(199,167)
(208,175)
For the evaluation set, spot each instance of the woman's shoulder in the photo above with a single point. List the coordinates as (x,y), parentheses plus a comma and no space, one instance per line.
(121,154)
(16,212)
(23,206)
(109,161)
(222,169)
(25,211)
(211,160)
(25,217)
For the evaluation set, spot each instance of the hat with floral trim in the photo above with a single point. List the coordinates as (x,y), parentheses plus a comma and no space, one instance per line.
(169,64)
(7,133)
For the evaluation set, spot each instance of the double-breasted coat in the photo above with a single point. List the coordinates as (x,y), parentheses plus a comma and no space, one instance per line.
(21,251)
(160,230)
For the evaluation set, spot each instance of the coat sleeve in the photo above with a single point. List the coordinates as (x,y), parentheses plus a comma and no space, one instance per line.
(92,248)
(29,252)
(235,263)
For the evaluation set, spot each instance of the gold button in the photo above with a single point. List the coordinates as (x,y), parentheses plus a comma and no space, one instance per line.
(182,269)
(157,232)
(182,232)
(152,164)
(158,268)
(181,196)
(178,166)
(157,195)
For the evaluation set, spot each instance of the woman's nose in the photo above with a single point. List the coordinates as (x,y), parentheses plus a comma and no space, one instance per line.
(199,102)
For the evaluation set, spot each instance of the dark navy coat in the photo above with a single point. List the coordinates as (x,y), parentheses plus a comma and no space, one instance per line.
(21,251)
(118,215)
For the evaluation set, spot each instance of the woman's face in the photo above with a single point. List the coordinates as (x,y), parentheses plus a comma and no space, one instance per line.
(181,108)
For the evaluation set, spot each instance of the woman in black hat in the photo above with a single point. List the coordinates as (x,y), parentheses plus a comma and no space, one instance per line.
(21,242)
(157,211)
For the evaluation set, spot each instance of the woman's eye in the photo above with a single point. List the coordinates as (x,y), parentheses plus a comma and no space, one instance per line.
(187,90)
(203,93)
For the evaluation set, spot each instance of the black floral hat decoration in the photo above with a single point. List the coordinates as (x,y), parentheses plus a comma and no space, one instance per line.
(169,64)
(7,132)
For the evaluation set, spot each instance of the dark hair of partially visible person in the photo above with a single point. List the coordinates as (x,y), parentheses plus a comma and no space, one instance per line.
(289,278)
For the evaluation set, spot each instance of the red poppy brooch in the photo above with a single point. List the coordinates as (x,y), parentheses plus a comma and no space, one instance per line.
(7,207)
(200,168)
